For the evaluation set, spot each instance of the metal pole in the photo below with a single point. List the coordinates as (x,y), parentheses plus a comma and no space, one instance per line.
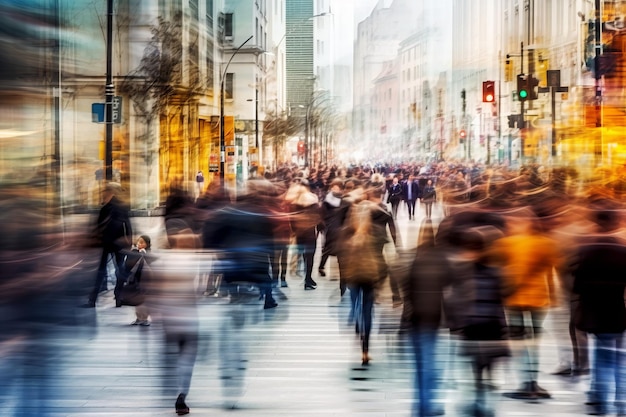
(222,138)
(108,93)
(256,120)
(306,137)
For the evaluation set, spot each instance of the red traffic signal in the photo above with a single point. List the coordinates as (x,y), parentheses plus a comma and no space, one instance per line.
(489,91)
(462,135)
(301,147)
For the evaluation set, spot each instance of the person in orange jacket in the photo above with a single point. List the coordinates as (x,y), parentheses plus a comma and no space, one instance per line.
(528,259)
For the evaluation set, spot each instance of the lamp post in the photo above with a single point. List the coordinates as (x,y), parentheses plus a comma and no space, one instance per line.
(222,137)
(109,92)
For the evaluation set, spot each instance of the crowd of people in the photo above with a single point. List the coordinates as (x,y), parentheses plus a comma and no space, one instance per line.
(508,248)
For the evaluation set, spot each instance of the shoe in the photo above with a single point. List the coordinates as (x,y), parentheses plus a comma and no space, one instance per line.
(581,372)
(524,393)
(396,302)
(283,284)
(118,303)
(321,272)
(309,287)
(566,371)
(539,392)
(270,304)
(145,323)
(89,304)
(181,407)
(365,359)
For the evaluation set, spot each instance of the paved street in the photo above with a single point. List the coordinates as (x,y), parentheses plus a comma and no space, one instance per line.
(300,359)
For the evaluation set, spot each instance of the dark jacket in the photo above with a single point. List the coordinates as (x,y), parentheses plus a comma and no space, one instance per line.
(394,193)
(415,190)
(428,194)
(600,279)
(333,214)
(113,227)
(423,289)
(244,235)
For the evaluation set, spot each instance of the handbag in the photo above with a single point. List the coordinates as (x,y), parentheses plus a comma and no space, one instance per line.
(131,293)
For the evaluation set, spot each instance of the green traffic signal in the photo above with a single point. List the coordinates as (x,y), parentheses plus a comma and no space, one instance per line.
(523,94)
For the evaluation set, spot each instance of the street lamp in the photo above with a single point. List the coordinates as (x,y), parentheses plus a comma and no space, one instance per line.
(222,138)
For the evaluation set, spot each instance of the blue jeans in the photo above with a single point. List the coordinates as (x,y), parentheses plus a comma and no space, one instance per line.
(609,369)
(365,309)
(427,376)
(530,333)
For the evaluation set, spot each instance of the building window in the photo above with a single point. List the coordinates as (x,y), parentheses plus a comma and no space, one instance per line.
(228,85)
(228,25)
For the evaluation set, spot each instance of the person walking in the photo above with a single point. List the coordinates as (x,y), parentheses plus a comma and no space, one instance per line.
(527,259)
(199,184)
(600,281)
(394,196)
(423,303)
(410,193)
(304,220)
(363,264)
(114,232)
(334,210)
(428,197)
(244,233)
(171,295)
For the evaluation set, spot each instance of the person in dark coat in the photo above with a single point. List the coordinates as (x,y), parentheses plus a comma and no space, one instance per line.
(333,213)
(428,196)
(394,196)
(600,280)
(244,233)
(410,194)
(423,304)
(115,233)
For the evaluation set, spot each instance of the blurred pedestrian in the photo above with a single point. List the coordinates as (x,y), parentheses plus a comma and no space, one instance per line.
(428,196)
(199,184)
(394,196)
(334,210)
(305,220)
(363,263)
(599,272)
(423,286)
(114,233)
(171,294)
(244,235)
(528,259)
(410,192)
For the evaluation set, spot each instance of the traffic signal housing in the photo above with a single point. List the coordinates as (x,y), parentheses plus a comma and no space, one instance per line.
(526,87)
(462,135)
(522,87)
(489,91)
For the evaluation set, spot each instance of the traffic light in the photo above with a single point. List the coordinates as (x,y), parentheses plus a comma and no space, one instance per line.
(522,87)
(526,87)
(489,91)
(462,135)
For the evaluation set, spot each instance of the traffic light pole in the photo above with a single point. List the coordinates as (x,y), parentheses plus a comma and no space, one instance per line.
(521,107)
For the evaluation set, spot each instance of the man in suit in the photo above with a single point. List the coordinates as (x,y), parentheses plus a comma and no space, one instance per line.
(410,193)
